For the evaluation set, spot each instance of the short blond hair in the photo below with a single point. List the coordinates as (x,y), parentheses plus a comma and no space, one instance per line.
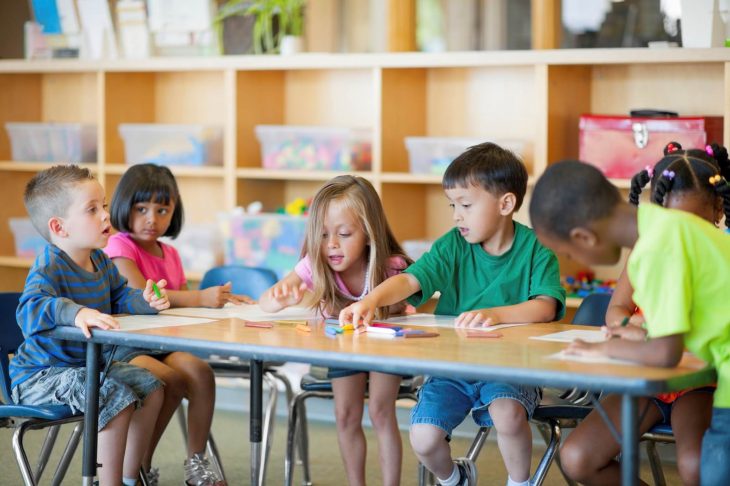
(48,194)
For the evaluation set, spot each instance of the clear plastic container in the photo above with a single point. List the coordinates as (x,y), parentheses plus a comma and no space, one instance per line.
(199,245)
(28,242)
(416,248)
(264,240)
(52,142)
(432,155)
(165,144)
(315,148)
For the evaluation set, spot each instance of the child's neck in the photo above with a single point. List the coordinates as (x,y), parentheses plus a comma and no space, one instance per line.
(354,276)
(623,227)
(80,256)
(502,239)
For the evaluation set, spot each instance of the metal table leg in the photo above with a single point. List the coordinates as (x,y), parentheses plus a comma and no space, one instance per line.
(255,430)
(630,440)
(91,413)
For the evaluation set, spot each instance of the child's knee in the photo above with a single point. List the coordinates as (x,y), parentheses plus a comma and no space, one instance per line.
(381,414)
(201,374)
(575,461)
(349,415)
(509,417)
(426,439)
(155,398)
(688,466)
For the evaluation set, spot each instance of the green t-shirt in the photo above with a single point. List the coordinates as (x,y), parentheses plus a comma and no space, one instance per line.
(469,278)
(679,269)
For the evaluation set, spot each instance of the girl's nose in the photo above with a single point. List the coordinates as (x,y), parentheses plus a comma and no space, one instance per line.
(332,242)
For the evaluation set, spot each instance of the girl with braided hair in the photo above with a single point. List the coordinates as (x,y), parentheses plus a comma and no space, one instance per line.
(694,181)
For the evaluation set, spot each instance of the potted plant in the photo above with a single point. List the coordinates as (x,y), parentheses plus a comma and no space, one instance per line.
(277,25)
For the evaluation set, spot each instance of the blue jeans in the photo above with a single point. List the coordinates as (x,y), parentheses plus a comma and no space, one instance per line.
(715,462)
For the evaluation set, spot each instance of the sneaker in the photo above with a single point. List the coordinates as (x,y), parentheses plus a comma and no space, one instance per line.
(467,470)
(153,476)
(199,472)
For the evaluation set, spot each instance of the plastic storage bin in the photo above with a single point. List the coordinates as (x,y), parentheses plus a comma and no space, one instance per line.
(315,148)
(52,142)
(265,240)
(28,242)
(199,245)
(432,155)
(416,248)
(172,144)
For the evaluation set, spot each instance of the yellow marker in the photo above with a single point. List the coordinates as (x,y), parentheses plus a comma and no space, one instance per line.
(304,328)
(297,322)
(348,327)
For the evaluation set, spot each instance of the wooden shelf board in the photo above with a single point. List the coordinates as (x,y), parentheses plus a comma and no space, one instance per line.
(16,262)
(14,166)
(295,175)
(408,178)
(179,171)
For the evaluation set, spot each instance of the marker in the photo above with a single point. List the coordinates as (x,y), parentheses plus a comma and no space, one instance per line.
(263,325)
(347,327)
(385,326)
(304,328)
(420,334)
(625,321)
(157,290)
(381,330)
(331,331)
(483,334)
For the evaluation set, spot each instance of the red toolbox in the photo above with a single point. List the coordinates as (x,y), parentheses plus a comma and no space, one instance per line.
(622,145)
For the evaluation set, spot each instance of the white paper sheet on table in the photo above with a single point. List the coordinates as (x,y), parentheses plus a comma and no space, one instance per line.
(563,356)
(138,322)
(246,312)
(432,320)
(572,335)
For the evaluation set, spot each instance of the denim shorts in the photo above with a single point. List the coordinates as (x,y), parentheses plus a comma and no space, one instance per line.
(666,408)
(715,459)
(127,354)
(445,403)
(124,385)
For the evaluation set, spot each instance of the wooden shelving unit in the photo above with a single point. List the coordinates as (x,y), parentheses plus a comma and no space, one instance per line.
(532,96)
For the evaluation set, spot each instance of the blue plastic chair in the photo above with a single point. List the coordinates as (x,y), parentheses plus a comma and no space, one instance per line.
(30,417)
(250,281)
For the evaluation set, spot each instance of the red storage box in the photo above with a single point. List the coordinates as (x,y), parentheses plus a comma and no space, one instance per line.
(621,146)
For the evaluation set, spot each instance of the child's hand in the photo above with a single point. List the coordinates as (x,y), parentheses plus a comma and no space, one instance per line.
(582,348)
(150,295)
(629,332)
(358,313)
(476,318)
(287,295)
(220,295)
(87,318)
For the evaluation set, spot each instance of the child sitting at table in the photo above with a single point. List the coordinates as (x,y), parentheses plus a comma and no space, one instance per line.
(73,283)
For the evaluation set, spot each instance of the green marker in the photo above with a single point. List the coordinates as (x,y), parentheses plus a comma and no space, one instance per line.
(157,290)
(624,321)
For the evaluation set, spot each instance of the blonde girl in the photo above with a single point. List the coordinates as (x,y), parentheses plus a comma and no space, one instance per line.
(349,249)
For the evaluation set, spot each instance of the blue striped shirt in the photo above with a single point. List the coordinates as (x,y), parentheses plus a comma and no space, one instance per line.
(55,291)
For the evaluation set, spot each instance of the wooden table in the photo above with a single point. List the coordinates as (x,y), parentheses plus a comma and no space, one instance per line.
(513,357)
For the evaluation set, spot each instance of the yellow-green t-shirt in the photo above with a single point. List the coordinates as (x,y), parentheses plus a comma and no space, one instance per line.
(680,270)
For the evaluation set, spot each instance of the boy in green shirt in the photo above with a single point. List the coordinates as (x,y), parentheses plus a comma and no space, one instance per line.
(490,270)
(678,268)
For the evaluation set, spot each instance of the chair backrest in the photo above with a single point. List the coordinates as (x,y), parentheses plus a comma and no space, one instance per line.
(592,311)
(11,338)
(251,281)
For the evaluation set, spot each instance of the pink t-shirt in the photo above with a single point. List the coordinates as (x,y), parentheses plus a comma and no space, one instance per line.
(396,265)
(169,266)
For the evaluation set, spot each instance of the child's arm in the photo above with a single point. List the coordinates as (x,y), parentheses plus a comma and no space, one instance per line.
(126,299)
(391,291)
(622,304)
(216,296)
(665,351)
(540,309)
(286,292)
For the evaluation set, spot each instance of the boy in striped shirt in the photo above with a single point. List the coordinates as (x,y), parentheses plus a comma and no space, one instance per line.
(73,283)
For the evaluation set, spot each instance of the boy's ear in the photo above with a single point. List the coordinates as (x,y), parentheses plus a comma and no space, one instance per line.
(55,227)
(583,237)
(507,204)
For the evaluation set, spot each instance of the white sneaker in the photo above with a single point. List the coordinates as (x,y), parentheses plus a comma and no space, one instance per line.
(467,470)
(153,476)
(199,472)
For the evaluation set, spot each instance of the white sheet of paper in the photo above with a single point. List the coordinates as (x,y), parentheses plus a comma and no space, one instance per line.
(563,356)
(245,312)
(137,322)
(572,335)
(432,320)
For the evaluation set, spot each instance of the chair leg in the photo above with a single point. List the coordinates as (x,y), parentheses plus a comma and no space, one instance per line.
(543,429)
(291,437)
(46,450)
(476,446)
(287,384)
(425,477)
(268,430)
(68,454)
(304,442)
(656,464)
(547,458)
(214,455)
(20,456)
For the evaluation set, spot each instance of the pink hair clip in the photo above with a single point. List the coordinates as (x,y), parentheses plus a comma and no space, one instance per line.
(710,152)
(669,174)
(649,170)
(671,148)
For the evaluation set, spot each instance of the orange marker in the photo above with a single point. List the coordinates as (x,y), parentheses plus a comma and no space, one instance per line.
(304,328)
(472,333)
(263,325)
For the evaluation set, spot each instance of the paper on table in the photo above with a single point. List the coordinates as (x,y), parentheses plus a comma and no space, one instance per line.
(572,335)
(247,312)
(432,320)
(138,322)
(563,356)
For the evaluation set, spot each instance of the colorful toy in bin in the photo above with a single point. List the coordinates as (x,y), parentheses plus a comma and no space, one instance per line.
(267,240)
(584,283)
(28,242)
